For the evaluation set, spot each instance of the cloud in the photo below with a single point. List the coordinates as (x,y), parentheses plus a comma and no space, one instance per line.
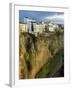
(55,17)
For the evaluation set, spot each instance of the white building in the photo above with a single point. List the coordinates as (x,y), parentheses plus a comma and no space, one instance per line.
(22,27)
(52,27)
(28,24)
(36,27)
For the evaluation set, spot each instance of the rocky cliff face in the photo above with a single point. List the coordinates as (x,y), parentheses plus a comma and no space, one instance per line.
(41,55)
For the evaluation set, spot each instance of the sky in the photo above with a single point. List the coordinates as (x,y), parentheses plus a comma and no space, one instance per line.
(39,16)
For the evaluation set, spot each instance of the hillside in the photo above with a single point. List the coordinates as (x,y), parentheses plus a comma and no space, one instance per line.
(41,56)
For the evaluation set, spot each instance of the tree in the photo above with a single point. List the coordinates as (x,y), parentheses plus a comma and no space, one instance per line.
(32,27)
(46,28)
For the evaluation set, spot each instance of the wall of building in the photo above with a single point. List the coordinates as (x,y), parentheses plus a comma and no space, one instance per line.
(22,27)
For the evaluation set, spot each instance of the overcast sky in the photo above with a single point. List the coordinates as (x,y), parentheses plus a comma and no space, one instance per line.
(38,16)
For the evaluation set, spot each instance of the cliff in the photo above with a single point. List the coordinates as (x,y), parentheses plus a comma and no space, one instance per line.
(41,56)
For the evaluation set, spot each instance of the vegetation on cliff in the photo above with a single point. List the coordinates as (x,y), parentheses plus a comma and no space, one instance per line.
(41,56)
